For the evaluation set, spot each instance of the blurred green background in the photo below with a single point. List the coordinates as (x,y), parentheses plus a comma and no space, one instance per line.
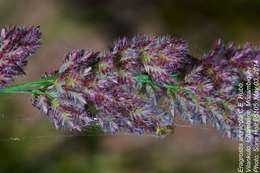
(28,142)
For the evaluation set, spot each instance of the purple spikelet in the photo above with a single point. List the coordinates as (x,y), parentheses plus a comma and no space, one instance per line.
(210,90)
(16,45)
(159,57)
(104,91)
(133,88)
(80,97)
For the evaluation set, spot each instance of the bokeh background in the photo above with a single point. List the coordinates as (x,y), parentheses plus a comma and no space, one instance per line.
(28,142)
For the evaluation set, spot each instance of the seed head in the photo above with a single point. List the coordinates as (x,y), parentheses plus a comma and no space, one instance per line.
(210,90)
(16,45)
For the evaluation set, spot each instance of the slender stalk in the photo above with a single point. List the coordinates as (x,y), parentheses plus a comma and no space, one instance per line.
(26,87)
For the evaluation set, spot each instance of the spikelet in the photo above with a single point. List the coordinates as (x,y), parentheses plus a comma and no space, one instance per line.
(210,92)
(100,88)
(16,45)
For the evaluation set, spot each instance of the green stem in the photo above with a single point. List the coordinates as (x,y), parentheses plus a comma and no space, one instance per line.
(27,87)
